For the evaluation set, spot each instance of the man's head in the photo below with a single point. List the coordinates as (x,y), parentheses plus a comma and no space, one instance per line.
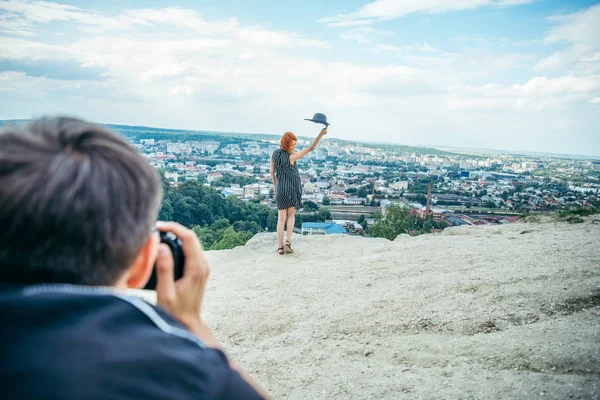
(77,203)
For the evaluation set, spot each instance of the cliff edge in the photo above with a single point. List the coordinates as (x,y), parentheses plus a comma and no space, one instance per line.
(488,312)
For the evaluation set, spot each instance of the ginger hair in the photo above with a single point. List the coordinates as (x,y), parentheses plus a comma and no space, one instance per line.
(286,141)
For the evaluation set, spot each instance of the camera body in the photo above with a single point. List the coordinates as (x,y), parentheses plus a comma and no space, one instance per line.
(175,245)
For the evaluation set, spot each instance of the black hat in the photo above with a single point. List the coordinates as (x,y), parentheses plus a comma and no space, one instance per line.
(319,119)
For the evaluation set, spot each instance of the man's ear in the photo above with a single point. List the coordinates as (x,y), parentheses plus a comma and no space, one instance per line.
(141,269)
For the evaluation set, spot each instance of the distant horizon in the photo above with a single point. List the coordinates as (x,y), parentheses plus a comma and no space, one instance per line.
(520,75)
(437,147)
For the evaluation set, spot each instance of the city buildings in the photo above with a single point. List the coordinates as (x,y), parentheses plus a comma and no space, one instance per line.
(341,174)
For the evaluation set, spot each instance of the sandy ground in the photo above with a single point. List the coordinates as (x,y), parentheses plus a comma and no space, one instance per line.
(491,312)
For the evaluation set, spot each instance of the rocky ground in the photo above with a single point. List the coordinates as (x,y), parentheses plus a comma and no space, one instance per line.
(489,312)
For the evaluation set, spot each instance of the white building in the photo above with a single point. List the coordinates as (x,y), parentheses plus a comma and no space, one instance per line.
(206,146)
(355,201)
(529,165)
(249,192)
(323,184)
(178,148)
(214,177)
(172,175)
(231,149)
(309,188)
(402,185)
(233,191)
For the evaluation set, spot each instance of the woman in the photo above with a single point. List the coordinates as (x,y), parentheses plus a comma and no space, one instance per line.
(288,185)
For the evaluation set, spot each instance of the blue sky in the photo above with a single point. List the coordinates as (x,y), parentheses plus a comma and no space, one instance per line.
(504,74)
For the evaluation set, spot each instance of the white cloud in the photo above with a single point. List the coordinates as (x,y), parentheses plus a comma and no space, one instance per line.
(12,48)
(22,14)
(15,26)
(381,10)
(224,61)
(190,72)
(566,84)
(356,36)
(406,50)
(426,48)
(538,93)
(183,18)
(41,11)
(359,35)
(579,27)
(595,100)
(595,57)
(581,31)
(466,65)
(364,34)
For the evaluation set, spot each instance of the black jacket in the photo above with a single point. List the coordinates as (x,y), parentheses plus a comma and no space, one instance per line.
(78,342)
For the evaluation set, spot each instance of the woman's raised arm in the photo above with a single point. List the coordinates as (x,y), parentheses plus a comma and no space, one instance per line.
(296,156)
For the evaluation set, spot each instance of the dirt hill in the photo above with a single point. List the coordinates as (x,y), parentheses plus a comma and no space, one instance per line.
(489,312)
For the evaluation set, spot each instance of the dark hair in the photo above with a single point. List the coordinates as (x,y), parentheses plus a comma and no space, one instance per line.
(77,203)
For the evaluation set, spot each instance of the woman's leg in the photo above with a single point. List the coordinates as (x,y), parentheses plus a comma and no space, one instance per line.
(281,226)
(291,220)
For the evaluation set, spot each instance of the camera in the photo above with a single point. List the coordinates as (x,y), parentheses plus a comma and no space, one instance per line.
(175,245)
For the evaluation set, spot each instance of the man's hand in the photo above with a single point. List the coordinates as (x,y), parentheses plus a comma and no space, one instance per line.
(183,299)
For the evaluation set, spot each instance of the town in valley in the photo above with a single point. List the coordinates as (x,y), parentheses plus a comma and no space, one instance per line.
(358,181)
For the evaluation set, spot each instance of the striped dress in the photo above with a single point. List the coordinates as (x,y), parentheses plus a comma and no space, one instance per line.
(289,184)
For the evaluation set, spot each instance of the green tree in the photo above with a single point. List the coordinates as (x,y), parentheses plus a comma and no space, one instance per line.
(166,211)
(311,206)
(427,225)
(202,215)
(222,223)
(395,222)
(326,201)
(323,214)
(195,205)
(363,222)
(272,220)
(228,180)
(489,204)
(362,192)
(365,226)
(183,207)
(206,235)
(246,226)
(231,239)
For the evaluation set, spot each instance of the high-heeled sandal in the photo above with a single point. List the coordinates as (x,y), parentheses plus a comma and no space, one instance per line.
(288,247)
